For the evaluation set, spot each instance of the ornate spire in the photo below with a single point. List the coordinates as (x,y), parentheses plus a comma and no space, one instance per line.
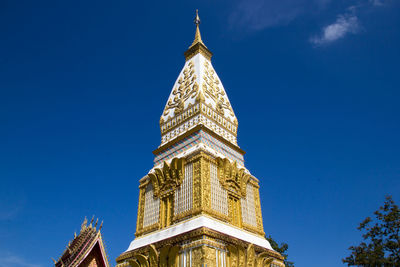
(198,98)
(197,37)
(197,46)
(84,224)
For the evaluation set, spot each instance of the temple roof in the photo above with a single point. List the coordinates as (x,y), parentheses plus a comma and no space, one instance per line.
(85,247)
(198,83)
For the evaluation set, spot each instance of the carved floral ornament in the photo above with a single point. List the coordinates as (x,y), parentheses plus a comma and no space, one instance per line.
(231,177)
(213,91)
(186,88)
(167,256)
(169,177)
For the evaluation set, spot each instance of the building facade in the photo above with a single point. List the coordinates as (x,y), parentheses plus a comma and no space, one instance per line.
(199,205)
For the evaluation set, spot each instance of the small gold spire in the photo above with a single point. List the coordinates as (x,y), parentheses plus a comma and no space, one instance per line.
(197,46)
(91,221)
(83,227)
(197,37)
(197,18)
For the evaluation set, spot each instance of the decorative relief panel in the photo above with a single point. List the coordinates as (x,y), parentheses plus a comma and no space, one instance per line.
(205,182)
(169,177)
(232,178)
(167,257)
(186,88)
(197,190)
(207,116)
(211,87)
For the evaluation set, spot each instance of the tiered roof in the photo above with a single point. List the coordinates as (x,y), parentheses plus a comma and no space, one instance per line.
(86,249)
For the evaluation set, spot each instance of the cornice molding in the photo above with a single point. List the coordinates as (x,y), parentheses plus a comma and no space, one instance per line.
(193,130)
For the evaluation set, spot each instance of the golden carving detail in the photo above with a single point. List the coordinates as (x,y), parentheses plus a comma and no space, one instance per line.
(197,185)
(238,252)
(209,257)
(140,216)
(232,178)
(169,177)
(187,88)
(211,88)
(133,263)
(251,256)
(197,259)
(238,256)
(196,49)
(153,255)
(258,210)
(191,111)
(167,257)
(206,183)
(233,256)
(241,256)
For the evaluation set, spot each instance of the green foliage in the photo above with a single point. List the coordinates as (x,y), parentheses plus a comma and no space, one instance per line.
(382,241)
(281,249)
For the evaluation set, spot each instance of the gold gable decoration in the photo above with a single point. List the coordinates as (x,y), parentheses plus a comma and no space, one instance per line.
(167,257)
(187,88)
(86,247)
(169,177)
(240,257)
(232,178)
(211,87)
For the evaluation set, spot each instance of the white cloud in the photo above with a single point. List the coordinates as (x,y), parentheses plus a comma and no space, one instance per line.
(255,15)
(249,16)
(344,24)
(8,260)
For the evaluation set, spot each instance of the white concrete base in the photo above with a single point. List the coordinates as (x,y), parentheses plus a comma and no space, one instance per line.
(195,223)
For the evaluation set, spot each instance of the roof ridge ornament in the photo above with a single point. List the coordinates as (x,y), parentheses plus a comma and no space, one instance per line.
(84,224)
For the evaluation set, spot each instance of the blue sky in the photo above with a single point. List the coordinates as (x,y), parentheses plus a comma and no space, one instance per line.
(314,84)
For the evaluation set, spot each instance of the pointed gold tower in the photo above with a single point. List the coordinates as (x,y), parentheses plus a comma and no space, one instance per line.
(199,205)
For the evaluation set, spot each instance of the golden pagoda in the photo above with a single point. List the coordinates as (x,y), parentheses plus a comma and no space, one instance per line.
(199,205)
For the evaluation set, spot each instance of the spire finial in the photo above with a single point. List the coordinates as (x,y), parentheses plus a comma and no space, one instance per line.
(197,46)
(197,37)
(197,18)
